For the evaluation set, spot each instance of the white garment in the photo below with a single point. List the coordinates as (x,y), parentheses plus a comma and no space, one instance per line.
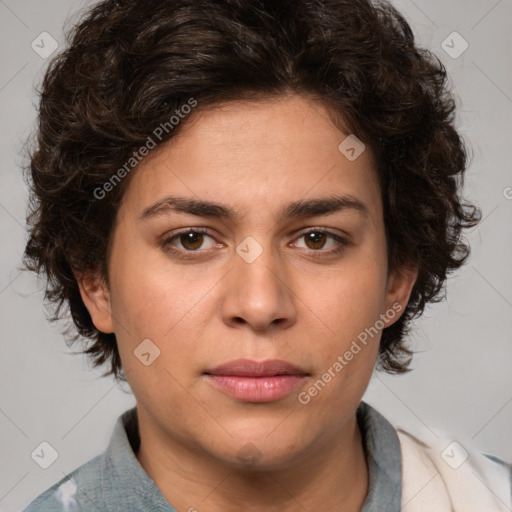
(437,477)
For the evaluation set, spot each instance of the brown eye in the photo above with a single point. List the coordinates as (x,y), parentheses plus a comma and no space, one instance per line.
(188,241)
(191,240)
(315,239)
(322,242)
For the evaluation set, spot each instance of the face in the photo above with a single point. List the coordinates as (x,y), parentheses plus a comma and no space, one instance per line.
(251,309)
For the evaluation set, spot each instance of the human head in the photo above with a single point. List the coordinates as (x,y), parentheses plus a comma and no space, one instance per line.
(131,66)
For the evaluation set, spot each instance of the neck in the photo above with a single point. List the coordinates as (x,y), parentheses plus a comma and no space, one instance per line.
(331,477)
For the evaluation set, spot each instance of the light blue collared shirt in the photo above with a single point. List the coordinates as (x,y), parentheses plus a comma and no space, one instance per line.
(116,482)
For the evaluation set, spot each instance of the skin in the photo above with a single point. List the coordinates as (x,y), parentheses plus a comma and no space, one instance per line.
(295,302)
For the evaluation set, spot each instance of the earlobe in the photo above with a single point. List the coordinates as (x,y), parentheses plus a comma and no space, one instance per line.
(400,285)
(96,297)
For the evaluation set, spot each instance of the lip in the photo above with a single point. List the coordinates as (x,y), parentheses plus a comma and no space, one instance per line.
(252,381)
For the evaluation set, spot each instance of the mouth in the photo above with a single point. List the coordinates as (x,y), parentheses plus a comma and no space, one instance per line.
(252,381)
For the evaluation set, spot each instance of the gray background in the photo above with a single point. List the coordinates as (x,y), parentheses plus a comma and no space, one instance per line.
(462,379)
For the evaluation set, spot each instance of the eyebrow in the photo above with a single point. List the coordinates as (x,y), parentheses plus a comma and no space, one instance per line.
(297,209)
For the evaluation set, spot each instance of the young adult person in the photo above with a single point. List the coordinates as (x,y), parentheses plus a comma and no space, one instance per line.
(243,204)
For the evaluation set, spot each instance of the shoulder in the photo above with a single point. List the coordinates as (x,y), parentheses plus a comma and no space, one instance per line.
(101,482)
(452,475)
(77,491)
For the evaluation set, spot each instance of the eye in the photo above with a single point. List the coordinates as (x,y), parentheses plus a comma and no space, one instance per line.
(191,240)
(316,239)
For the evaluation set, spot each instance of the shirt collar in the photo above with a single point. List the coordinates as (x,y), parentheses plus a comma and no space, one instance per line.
(383,456)
(126,485)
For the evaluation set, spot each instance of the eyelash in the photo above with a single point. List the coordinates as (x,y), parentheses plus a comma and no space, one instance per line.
(165,244)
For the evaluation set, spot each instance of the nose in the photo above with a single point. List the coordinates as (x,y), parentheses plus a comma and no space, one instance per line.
(258,292)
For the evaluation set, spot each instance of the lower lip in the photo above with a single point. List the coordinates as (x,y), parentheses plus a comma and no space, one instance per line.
(256,389)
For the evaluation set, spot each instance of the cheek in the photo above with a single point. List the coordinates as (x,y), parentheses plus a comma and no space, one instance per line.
(152,296)
(171,307)
(158,307)
(348,299)
(345,353)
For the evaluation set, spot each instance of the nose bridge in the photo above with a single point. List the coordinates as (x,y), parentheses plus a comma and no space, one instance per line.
(257,267)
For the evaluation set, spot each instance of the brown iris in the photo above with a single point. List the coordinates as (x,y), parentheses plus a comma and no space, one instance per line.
(195,240)
(316,238)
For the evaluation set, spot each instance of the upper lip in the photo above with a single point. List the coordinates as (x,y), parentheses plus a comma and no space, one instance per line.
(248,368)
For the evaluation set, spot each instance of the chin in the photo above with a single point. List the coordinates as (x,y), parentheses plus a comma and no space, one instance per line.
(260,454)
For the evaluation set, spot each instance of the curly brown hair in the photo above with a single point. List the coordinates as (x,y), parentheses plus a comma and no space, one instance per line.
(129,65)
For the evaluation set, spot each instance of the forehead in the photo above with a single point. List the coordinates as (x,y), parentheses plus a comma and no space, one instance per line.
(257,155)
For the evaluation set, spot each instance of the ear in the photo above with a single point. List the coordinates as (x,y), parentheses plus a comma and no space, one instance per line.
(399,288)
(96,297)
